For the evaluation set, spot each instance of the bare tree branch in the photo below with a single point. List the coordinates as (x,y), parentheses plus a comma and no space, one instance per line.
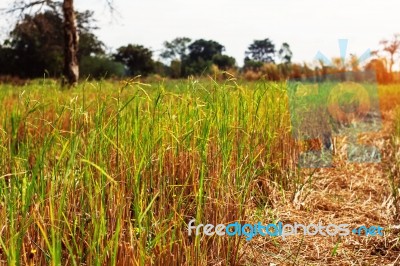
(21,6)
(113,10)
(110,4)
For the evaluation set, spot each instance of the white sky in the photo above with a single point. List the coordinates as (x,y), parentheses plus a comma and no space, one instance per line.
(308,26)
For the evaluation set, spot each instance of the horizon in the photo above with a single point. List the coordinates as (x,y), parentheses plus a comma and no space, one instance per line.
(311,18)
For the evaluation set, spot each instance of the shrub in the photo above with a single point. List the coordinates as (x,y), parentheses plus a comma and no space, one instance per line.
(101,67)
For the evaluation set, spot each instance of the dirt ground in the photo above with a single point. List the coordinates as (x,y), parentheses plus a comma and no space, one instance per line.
(347,193)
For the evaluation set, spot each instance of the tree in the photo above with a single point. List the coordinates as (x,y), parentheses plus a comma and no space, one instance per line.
(89,44)
(175,69)
(261,51)
(201,54)
(392,47)
(285,54)
(252,64)
(137,58)
(176,49)
(38,45)
(7,60)
(71,38)
(100,67)
(224,62)
(205,49)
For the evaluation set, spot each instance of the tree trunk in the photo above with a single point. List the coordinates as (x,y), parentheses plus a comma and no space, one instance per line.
(391,66)
(71,41)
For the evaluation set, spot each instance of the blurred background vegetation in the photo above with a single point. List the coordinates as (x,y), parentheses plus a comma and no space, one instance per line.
(35,48)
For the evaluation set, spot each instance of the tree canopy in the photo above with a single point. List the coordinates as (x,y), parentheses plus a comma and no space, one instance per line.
(38,35)
(261,51)
(137,58)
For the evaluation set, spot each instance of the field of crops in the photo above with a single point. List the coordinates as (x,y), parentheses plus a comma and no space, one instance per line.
(110,173)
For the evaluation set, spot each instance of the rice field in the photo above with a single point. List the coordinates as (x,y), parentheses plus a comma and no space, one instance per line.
(110,173)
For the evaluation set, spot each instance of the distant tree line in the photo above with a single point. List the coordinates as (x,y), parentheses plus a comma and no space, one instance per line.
(36,44)
(35,48)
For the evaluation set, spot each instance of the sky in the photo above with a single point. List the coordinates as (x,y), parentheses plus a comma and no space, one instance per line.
(308,26)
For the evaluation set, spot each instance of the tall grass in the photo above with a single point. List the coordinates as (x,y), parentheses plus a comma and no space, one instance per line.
(110,174)
(394,165)
(390,102)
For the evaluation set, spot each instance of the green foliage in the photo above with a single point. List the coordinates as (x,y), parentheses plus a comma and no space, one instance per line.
(260,58)
(285,53)
(89,45)
(175,69)
(35,36)
(100,67)
(252,64)
(224,62)
(197,67)
(176,49)
(160,69)
(7,61)
(36,44)
(201,54)
(137,58)
(261,51)
(205,50)
(176,52)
